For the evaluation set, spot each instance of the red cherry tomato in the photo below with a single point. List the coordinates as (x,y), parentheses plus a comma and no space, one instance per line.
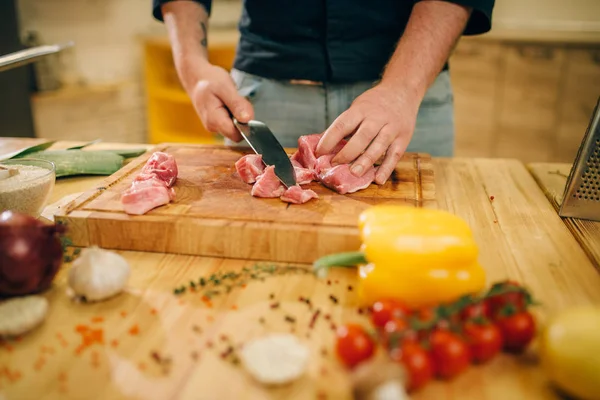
(476,310)
(516,299)
(417,362)
(384,310)
(518,330)
(449,353)
(354,345)
(395,332)
(484,339)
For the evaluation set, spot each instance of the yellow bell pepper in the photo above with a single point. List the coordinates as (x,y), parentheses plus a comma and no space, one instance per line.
(419,256)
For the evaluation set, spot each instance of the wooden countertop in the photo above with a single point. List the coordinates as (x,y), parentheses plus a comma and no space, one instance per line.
(136,334)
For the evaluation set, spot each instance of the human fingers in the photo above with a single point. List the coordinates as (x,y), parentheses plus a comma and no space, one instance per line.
(216,118)
(392,157)
(365,134)
(344,125)
(376,149)
(239,106)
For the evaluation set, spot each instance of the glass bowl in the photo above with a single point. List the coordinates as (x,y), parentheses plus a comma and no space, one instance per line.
(28,191)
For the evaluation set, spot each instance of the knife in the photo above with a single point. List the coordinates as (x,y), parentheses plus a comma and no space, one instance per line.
(263,142)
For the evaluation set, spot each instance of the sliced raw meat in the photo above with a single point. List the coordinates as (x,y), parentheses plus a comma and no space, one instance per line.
(307,146)
(139,201)
(268,184)
(323,163)
(304,176)
(144,181)
(152,187)
(340,179)
(249,167)
(163,165)
(297,195)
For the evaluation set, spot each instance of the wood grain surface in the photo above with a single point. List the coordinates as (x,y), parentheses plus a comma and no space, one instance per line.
(152,344)
(552,178)
(214,213)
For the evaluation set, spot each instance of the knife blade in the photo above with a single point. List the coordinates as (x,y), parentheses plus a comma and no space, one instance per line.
(263,142)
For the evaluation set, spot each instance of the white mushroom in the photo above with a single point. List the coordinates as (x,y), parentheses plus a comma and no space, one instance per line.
(275,359)
(98,274)
(21,314)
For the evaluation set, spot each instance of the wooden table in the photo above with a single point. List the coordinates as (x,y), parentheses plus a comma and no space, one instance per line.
(136,334)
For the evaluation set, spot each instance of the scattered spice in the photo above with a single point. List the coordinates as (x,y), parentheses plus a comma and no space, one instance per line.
(313,320)
(195,355)
(227,352)
(89,337)
(134,330)
(271,296)
(153,311)
(350,288)
(224,338)
(275,305)
(323,351)
(227,281)
(164,362)
(114,343)
(123,313)
(234,307)
(328,282)
(333,327)
(209,344)
(321,395)
(62,340)
(360,311)
(290,319)
(491,198)
(327,317)
(495,221)
(197,329)
(39,363)
(261,320)
(97,319)
(333,298)
(336,281)
(141,366)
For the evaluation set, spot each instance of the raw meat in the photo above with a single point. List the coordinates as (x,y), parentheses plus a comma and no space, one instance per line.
(340,179)
(297,195)
(268,184)
(138,201)
(152,187)
(307,146)
(249,167)
(162,165)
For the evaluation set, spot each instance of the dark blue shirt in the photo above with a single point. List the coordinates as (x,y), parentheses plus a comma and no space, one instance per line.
(326,40)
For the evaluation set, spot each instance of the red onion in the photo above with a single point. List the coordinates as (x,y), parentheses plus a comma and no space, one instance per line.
(30,254)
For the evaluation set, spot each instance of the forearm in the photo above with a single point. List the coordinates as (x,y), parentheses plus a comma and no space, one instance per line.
(430,35)
(187,27)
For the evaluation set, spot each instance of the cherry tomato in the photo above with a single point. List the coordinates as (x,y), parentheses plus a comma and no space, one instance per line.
(449,353)
(384,310)
(497,303)
(417,362)
(518,330)
(354,345)
(484,339)
(396,331)
(476,310)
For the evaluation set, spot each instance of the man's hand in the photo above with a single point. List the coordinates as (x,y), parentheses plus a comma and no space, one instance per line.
(383,120)
(214,96)
(210,88)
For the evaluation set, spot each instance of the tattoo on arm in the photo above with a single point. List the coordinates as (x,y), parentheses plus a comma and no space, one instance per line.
(204,41)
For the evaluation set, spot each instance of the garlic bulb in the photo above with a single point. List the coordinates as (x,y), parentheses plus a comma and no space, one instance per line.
(98,274)
(275,359)
(21,314)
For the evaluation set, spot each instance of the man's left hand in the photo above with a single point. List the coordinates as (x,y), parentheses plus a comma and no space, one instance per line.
(382,121)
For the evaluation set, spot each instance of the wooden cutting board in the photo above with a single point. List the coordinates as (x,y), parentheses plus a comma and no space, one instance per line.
(214,213)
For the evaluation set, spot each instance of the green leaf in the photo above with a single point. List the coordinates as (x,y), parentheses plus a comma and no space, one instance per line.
(79,162)
(27,150)
(127,153)
(84,145)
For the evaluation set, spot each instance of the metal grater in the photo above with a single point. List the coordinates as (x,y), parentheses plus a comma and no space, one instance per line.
(581,198)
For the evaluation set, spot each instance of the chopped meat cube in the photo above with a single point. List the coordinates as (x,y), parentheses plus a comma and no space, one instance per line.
(163,165)
(268,184)
(307,146)
(340,179)
(297,195)
(249,167)
(152,187)
(139,201)
(323,163)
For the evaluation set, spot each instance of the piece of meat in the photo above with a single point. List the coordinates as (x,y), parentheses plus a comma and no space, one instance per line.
(153,186)
(139,201)
(249,167)
(268,184)
(323,163)
(297,195)
(307,146)
(143,181)
(340,179)
(163,165)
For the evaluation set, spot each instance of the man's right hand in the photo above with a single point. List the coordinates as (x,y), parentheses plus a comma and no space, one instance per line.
(214,96)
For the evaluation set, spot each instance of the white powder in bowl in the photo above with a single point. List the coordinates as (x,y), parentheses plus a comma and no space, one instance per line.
(27,191)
